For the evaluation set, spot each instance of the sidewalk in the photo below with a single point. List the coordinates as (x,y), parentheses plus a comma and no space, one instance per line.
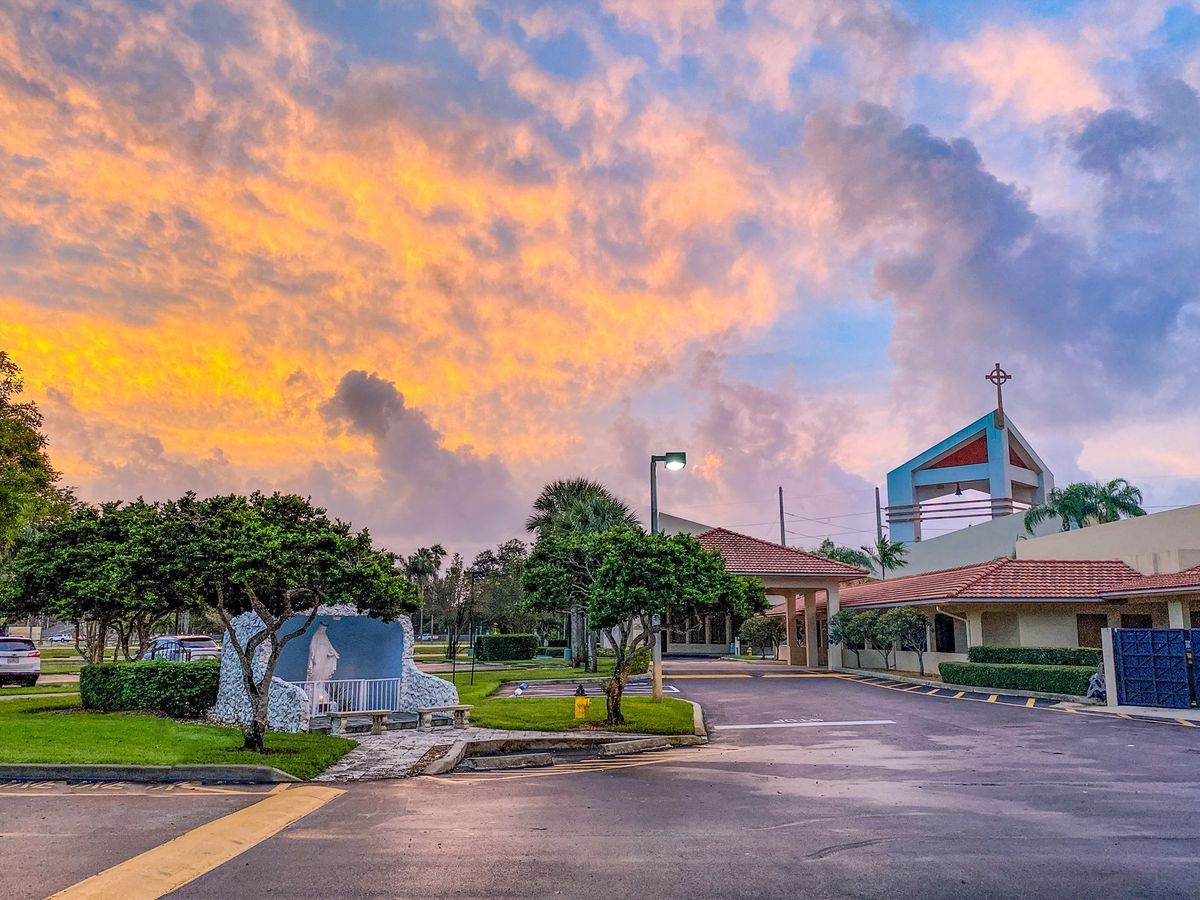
(1147,712)
(403,753)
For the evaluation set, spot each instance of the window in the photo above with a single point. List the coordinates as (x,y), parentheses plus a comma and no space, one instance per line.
(1087,627)
(717,630)
(16,645)
(1137,620)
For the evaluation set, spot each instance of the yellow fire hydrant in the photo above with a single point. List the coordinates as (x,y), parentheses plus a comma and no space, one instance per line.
(582,703)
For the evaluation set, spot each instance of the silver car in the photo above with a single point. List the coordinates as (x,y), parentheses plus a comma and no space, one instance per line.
(182,648)
(20,661)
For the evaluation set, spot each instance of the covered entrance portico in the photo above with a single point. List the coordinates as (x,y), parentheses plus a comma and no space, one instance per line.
(802,581)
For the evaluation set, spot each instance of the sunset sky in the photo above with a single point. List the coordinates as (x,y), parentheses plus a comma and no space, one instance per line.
(414,259)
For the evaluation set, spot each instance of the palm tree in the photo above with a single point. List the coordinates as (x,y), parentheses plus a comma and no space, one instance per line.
(848,555)
(1083,503)
(422,567)
(886,555)
(578,505)
(1117,498)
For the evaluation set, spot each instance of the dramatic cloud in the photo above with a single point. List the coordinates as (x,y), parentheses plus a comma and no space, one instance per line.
(556,234)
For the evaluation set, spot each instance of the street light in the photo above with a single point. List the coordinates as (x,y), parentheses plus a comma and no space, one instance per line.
(674,461)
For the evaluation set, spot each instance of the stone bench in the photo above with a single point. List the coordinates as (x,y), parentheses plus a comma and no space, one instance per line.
(337,720)
(461,713)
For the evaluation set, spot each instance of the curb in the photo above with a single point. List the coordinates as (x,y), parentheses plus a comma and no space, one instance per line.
(698,726)
(516,761)
(460,750)
(148,774)
(638,745)
(973,689)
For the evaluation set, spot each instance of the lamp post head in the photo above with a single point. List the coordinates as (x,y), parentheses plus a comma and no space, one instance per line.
(676,461)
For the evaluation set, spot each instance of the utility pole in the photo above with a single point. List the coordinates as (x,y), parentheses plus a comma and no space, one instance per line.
(782,530)
(878,518)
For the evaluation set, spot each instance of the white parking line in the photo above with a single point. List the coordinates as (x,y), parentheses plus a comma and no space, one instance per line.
(805,724)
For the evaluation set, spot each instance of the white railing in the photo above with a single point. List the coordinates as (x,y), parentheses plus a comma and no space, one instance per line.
(351,695)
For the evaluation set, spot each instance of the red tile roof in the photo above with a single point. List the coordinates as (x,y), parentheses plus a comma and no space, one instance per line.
(745,555)
(999,579)
(1186,581)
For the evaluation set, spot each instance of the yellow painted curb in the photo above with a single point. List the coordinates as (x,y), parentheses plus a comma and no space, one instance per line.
(669,677)
(803,675)
(170,866)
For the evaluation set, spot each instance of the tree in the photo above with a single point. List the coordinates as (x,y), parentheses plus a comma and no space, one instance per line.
(1083,503)
(854,629)
(29,491)
(278,556)
(847,555)
(910,629)
(501,594)
(103,568)
(630,577)
(885,632)
(763,632)
(578,506)
(886,555)
(421,568)
(451,597)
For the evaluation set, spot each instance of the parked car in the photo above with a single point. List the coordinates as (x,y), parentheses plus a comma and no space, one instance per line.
(20,661)
(182,648)
(61,639)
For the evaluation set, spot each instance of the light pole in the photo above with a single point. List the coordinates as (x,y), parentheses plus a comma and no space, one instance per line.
(674,462)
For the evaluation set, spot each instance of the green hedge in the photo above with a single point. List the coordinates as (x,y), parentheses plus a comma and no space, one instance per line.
(1046,679)
(1036,656)
(181,690)
(505,646)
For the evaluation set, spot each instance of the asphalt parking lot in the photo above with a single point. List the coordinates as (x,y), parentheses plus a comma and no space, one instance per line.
(921,797)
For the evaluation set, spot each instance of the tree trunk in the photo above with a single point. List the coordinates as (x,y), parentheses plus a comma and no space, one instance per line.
(613,689)
(579,654)
(593,650)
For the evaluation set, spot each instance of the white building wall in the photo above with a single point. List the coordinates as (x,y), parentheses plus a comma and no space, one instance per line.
(1164,542)
(1048,628)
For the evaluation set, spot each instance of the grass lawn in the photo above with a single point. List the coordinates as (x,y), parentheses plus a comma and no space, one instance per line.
(68,688)
(57,730)
(558,713)
(60,668)
(61,653)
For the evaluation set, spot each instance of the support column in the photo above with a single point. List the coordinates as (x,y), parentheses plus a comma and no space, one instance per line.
(1175,614)
(730,637)
(1110,667)
(1114,618)
(793,651)
(812,653)
(833,605)
(974,628)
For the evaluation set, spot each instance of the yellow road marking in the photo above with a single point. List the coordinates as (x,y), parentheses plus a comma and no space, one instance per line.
(168,867)
(1124,716)
(915,687)
(992,698)
(670,677)
(960,694)
(932,691)
(804,675)
(1186,722)
(1032,701)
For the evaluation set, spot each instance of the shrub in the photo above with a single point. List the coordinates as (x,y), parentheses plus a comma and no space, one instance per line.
(1046,679)
(763,633)
(558,645)
(102,687)
(1036,656)
(639,663)
(181,690)
(505,646)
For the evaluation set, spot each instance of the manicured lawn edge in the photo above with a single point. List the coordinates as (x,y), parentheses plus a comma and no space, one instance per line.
(56,731)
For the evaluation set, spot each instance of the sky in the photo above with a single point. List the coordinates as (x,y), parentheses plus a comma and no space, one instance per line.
(415,259)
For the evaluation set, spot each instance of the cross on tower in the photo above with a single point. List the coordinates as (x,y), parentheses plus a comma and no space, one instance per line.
(997,377)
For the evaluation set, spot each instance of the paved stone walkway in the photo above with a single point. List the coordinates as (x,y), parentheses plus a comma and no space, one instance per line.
(402,753)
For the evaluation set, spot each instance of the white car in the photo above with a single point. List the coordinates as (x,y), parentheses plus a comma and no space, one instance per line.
(182,648)
(20,661)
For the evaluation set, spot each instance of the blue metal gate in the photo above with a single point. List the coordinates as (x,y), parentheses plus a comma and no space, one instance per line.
(1152,667)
